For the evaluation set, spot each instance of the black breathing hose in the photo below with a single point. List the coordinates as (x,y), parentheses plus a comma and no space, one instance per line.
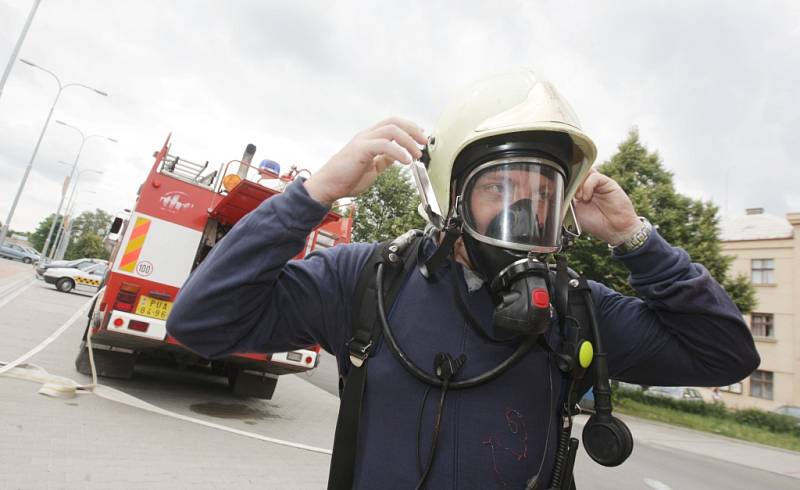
(421,375)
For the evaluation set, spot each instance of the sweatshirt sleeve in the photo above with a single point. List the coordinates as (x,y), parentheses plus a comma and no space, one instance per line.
(684,330)
(248,296)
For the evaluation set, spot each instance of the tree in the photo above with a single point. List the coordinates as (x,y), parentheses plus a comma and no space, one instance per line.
(87,245)
(88,230)
(38,236)
(96,222)
(682,221)
(387,209)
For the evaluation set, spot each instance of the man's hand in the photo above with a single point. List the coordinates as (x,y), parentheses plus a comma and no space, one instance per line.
(604,210)
(351,171)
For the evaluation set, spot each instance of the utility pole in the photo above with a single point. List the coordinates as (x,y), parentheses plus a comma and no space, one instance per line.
(17,47)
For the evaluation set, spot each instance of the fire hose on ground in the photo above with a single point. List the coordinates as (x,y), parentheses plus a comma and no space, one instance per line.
(60,386)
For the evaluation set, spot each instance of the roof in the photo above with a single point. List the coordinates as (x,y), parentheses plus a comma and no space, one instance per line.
(754,227)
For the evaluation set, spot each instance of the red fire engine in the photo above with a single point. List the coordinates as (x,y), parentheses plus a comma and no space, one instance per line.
(179,214)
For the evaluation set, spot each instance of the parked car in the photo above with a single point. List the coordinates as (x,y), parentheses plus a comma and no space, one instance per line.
(790,411)
(66,279)
(674,392)
(623,386)
(586,404)
(16,252)
(82,264)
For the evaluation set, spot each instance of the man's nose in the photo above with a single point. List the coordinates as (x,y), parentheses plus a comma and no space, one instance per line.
(522,192)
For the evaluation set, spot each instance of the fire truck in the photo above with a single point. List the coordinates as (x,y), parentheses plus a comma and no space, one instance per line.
(182,209)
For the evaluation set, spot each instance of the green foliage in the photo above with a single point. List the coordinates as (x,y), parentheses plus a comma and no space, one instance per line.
(87,245)
(387,209)
(38,236)
(773,422)
(96,222)
(741,290)
(88,230)
(682,221)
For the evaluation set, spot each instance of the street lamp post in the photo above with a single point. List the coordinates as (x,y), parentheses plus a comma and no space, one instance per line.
(84,138)
(7,224)
(46,247)
(62,239)
(20,40)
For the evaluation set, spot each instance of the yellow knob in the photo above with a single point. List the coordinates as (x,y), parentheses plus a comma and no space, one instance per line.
(586,354)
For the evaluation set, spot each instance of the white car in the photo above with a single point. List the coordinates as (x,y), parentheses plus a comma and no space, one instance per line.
(65,279)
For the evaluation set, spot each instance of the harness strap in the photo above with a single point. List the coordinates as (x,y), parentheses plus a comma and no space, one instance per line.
(398,255)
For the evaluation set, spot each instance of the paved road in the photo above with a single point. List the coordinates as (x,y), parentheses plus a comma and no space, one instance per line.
(91,442)
(665,457)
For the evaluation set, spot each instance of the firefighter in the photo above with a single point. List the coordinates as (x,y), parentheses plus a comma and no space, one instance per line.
(505,162)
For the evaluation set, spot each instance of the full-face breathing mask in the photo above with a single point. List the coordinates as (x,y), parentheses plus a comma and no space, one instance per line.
(511,210)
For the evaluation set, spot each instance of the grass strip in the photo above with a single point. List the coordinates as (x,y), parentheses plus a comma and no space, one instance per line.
(719,426)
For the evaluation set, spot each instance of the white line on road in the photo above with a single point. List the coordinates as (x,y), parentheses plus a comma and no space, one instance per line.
(8,294)
(656,485)
(61,384)
(24,357)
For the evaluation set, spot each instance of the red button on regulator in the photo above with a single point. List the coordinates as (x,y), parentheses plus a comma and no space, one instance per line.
(540,298)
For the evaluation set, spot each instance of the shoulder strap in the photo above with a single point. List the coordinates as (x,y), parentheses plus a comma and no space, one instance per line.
(400,256)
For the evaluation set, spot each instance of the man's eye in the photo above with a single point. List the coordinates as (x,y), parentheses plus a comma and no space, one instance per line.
(494,188)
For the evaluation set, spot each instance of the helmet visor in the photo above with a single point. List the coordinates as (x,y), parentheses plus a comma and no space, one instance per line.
(515,203)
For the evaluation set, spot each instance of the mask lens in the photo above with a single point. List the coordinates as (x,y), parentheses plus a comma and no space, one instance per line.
(516,203)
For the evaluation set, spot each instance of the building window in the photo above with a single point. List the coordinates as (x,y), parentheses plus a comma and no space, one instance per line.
(734,388)
(761,384)
(761,325)
(762,271)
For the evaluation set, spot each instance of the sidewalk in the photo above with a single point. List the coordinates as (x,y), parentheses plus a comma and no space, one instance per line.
(757,456)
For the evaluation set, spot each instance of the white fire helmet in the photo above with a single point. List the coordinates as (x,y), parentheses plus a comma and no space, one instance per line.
(515,152)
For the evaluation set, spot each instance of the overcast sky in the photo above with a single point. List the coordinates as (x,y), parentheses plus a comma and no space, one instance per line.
(714,87)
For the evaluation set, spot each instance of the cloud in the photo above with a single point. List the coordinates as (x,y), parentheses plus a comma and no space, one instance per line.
(711,85)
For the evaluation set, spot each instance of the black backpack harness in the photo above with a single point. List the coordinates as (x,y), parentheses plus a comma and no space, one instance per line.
(380,283)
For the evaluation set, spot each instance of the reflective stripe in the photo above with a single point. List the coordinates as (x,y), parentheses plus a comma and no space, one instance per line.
(135,243)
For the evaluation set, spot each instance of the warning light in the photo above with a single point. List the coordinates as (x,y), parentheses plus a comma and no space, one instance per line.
(230,181)
(118,322)
(308,360)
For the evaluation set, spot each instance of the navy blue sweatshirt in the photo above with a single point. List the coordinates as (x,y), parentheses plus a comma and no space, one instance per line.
(248,296)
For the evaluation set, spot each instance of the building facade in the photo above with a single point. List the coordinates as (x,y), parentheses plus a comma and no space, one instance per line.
(766,249)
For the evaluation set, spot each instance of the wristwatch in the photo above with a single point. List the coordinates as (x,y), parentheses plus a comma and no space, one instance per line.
(636,240)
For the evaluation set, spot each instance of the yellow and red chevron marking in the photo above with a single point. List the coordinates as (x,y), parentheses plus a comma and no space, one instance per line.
(135,243)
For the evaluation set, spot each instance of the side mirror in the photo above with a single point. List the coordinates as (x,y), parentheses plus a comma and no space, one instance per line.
(115,226)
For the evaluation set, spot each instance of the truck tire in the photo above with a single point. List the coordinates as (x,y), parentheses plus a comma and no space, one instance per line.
(109,363)
(251,383)
(65,284)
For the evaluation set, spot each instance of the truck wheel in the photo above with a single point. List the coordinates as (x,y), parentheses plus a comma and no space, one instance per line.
(111,364)
(26,260)
(65,284)
(251,383)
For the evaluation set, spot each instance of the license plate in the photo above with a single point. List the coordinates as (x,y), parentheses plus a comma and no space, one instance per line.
(154,308)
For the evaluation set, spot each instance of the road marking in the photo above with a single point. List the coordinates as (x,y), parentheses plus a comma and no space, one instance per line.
(24,357)
(656,485)
(8,294)
(59,385)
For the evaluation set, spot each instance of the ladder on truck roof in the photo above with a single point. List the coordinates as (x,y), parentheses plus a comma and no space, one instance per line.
(187,170)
